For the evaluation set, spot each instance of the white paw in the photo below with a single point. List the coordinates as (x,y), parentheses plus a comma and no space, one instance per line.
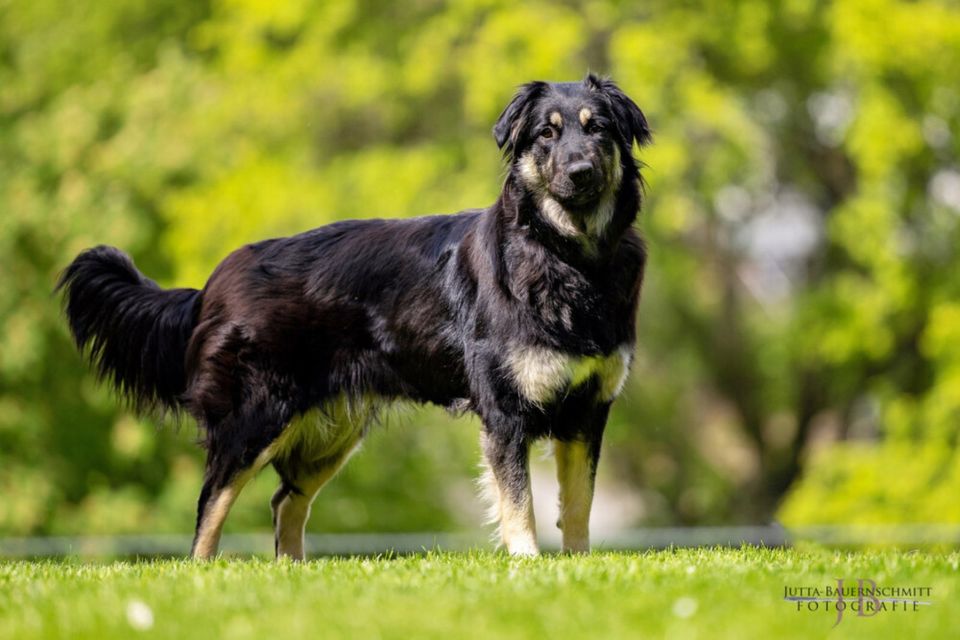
(523,548)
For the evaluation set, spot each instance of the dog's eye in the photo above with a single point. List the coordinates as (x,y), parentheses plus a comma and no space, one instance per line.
(546,133)
(593,127)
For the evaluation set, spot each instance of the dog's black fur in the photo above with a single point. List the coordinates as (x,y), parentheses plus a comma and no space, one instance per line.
(438,309)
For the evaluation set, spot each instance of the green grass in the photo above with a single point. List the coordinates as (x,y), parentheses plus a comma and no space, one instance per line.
(691,593)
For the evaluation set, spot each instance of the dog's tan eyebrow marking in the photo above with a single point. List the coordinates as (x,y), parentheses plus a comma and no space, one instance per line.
(556,119)
(585,115)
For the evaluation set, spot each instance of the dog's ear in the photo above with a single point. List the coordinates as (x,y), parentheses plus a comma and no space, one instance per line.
(630,119)
(513,120)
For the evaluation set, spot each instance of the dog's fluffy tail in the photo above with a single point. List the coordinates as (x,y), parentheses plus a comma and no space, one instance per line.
(132,331)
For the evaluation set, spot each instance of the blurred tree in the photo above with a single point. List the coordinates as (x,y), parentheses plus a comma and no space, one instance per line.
(806,243)
(804,194)
(70,78)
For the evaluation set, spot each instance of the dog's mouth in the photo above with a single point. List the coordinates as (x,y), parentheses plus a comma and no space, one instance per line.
(577,197)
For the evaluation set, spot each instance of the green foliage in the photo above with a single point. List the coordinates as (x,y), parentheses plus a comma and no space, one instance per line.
(888,484)
(720,593)
(802,217)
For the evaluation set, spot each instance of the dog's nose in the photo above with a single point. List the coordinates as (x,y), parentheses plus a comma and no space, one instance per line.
(580,173)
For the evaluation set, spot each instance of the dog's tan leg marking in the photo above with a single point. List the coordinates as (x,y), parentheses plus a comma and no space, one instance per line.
(218,507)
(293,511)
(518,530)
(576,478)
(214,515)
(517,526)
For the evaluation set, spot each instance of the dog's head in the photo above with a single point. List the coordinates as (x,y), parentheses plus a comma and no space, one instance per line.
(569,140)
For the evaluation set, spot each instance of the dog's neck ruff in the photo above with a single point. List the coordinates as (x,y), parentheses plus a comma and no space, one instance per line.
(594,223)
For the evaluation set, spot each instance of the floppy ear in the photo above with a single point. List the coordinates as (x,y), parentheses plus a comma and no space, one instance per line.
(514,118)
(630,120)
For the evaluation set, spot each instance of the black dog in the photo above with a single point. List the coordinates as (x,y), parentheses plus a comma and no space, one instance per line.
(523,313)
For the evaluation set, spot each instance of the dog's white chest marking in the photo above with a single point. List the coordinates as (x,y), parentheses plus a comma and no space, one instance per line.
(542,374)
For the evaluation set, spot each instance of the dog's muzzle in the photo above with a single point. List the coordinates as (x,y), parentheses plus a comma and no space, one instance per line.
(579,184)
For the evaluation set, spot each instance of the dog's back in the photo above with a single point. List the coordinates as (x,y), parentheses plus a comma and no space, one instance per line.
(352,309)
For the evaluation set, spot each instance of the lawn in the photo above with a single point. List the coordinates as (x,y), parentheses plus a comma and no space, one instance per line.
(688,593)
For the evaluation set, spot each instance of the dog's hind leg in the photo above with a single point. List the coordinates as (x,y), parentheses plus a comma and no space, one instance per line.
(216,498)
(508,474)
(291,503)
(237,448)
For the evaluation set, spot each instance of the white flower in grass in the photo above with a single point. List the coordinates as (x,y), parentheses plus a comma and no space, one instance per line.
(139,615)
(685,607)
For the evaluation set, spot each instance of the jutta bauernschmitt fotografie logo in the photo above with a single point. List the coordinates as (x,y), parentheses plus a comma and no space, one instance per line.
(861,598)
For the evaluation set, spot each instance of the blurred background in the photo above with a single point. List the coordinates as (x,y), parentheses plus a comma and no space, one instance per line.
(799,333)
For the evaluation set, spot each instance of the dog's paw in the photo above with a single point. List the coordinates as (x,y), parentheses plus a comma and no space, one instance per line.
(523,549)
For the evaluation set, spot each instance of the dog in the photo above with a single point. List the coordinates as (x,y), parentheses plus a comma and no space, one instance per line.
(523,312)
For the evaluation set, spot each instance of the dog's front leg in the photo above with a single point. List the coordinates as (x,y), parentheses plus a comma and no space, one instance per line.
(576,470)
(506,452)
(577,459)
